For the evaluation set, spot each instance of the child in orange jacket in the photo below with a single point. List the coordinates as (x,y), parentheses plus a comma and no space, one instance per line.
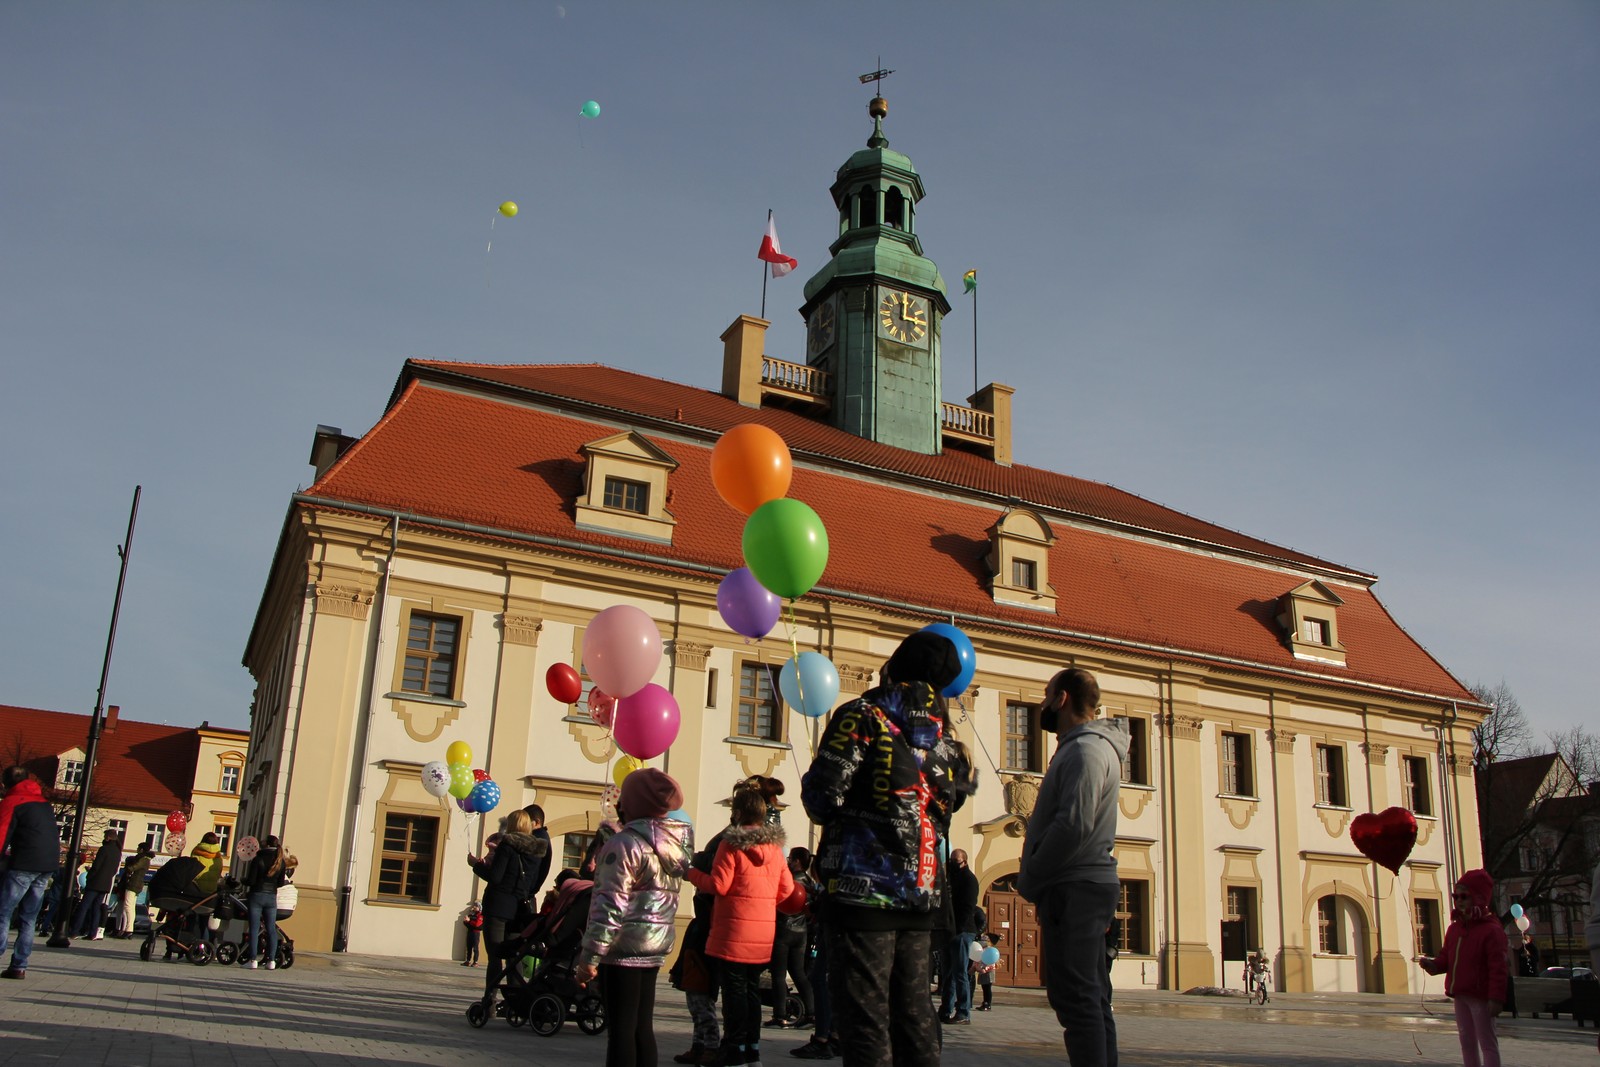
(1473,961)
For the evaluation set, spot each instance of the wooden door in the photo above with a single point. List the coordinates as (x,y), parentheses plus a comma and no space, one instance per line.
(1021,955)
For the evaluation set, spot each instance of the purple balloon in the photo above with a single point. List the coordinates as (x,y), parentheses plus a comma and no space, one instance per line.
(465,804)
(746,605)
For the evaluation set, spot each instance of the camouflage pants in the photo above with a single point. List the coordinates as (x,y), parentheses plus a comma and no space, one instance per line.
(882,1013)
(703,1010)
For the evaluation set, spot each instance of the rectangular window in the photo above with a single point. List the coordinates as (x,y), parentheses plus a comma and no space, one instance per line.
(405,868)
(225,836)
(1418,797)
(1242,910)
(1136,764)
(1238,772)
(1022,737)
(624,495)
(66,829)
(230,779)
(1130,926)
(1330,776)
(430,665)
(758,706)
(1314,631)
(1024,574)
(155,835)
(1328,941)
(1425,927)
(120,828)
(71,773)
(711,688)
(573,848)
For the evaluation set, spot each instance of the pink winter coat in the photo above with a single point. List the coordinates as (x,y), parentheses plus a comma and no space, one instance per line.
(751,881)
(1473,957)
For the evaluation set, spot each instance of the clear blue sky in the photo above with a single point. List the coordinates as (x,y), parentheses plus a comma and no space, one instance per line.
(1328,273)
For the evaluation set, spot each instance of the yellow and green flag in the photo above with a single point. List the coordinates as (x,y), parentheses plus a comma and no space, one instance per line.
(970,280)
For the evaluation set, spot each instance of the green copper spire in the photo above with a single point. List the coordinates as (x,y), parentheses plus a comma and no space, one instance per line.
(874,310)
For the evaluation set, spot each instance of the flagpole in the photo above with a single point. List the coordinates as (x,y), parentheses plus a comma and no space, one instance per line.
(765,272)
(974,340)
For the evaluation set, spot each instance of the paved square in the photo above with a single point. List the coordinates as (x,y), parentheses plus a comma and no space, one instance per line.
(97,1004)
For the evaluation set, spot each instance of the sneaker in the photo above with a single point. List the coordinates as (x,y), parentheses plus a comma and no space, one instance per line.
(248,965)
(780,1024)
(692,1056)
(813,1050)
(272,965)
(13,972)
(960,1020)
(984,1007)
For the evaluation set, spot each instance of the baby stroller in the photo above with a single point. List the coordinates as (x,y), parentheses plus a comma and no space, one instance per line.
(233,907)
(185,911)
(538,988)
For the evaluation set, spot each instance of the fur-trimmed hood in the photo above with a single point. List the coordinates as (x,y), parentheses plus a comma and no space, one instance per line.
(750,838)
(527,844)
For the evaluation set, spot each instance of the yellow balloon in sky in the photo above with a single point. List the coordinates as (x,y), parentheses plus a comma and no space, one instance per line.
(509,209)
(458,752)
(626,765)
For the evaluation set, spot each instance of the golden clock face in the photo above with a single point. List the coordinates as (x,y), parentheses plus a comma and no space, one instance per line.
(821,327)
(903,317)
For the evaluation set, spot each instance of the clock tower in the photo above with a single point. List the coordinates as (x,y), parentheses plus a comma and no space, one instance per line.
(874,311)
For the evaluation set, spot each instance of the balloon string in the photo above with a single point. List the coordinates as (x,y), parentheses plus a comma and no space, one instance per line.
(794,651)
(487,284)
(977,734)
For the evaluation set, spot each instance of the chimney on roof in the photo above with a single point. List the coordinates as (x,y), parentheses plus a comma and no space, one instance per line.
(329,444)
(995,399)
(743,346)
(111,718)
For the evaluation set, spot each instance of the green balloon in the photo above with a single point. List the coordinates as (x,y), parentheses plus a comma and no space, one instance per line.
(589,110)
(785,547)
(461,780)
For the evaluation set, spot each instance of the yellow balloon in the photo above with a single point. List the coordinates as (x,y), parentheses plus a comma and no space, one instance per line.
(626,765)
(458,752)
(508,209)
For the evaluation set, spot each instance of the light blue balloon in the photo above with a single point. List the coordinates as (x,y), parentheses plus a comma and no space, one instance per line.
(991,956)
(679,815)
(1516,911)
(485,796)
(812,688)
(964,652)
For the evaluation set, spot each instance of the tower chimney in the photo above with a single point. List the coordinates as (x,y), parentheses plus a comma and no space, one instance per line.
(111,718)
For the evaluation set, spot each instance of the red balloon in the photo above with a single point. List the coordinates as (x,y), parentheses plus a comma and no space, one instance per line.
(480,775)
(564,683)
(1385,838)
(177,821)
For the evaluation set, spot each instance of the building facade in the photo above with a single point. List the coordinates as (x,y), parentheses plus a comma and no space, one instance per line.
(445,560)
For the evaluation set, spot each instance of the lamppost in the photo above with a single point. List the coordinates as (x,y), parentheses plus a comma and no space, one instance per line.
(64,913)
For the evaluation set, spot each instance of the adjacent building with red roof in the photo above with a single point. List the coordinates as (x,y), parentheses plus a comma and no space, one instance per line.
(143,772)
(446,559)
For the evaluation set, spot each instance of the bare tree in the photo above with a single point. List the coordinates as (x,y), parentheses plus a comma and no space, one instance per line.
(17,750)
(1504,733)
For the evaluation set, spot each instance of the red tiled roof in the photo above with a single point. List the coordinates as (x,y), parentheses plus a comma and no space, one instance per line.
(515,468)
(139,766)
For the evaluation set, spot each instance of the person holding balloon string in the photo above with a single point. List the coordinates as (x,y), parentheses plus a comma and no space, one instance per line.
(1473,961)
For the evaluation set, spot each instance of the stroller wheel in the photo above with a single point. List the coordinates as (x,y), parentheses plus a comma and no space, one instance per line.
(591,1012)
(477,1015)
(200,953)
(515,1017)
(146,947)
(793,1007)
(285,957)
(228,953)
(547,1014)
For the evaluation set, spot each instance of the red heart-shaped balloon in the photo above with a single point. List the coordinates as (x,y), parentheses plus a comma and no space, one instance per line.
(1385,838)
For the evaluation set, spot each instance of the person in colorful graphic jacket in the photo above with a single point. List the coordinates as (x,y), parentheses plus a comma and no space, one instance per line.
(884,784)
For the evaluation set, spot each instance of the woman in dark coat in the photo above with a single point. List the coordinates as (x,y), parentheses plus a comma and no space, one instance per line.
(509,876)
(102,876)
(265,875)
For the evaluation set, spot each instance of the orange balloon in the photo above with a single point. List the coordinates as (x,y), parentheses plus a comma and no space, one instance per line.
(751,466)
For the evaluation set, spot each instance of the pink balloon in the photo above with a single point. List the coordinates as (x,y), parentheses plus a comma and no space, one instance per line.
(622,649)
(646,723)
(601,707)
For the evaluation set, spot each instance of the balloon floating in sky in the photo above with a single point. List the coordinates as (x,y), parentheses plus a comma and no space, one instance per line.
(589,110)
(509,209)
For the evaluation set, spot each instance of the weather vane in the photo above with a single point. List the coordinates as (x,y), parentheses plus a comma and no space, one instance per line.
(876,76)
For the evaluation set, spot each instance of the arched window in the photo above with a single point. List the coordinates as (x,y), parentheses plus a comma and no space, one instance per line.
(894,208)
(867,212)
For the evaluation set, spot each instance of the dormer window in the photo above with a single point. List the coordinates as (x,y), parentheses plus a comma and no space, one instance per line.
(1310,620)
(1019,559)
(625,488)
(70,775)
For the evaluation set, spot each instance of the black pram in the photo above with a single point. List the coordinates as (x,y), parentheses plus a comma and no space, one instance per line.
(538,988)
(185,909)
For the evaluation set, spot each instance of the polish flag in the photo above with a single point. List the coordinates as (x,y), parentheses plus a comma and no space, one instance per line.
(771,253)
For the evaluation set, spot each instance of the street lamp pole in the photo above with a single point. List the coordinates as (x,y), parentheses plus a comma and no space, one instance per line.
(64,913)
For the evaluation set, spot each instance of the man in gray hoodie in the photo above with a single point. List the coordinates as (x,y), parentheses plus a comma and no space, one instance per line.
(1068,869)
